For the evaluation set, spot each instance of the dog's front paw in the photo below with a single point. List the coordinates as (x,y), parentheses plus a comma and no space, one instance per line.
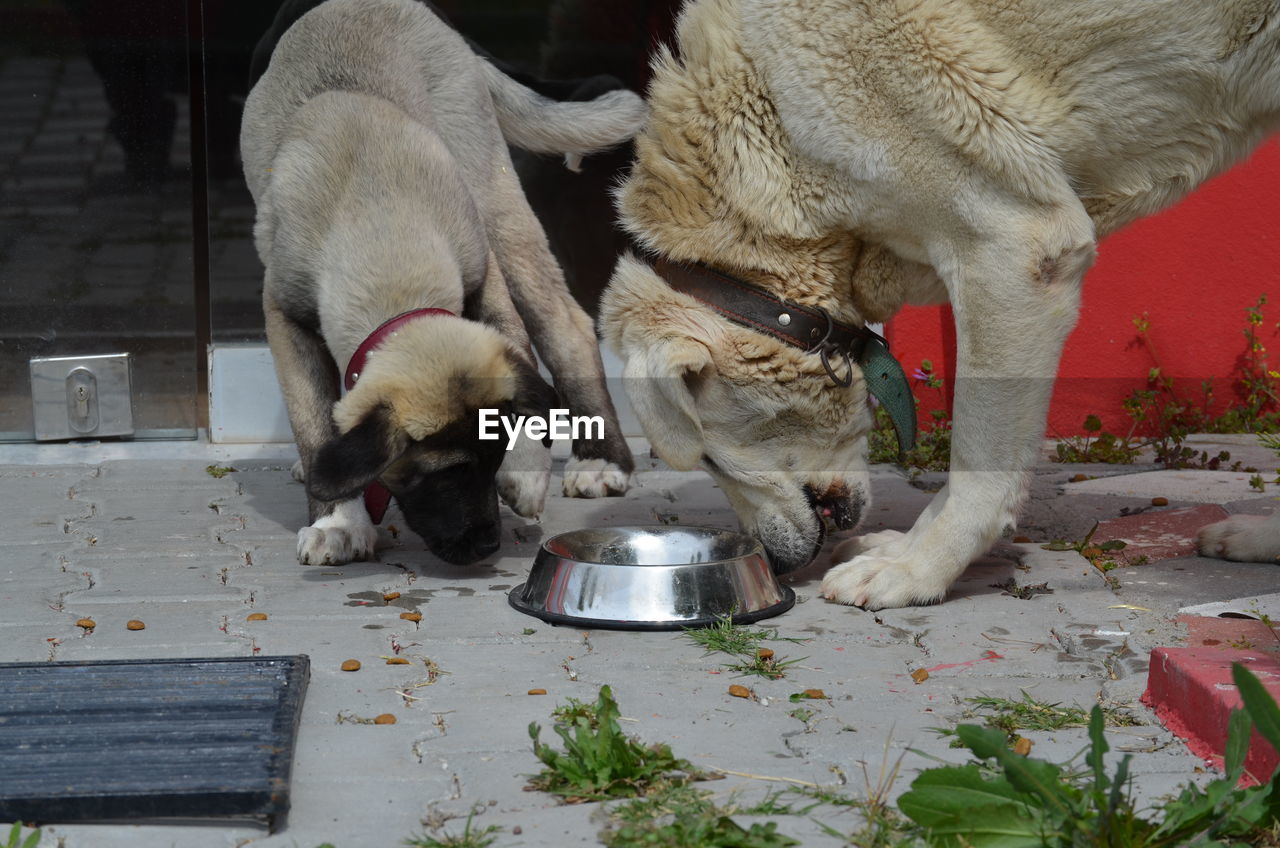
(594,478)
(1243,538)
(344,535)
(887,543)
(524,478)
(876,582)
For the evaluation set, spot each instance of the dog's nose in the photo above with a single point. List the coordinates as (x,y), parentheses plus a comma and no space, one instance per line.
(835,506)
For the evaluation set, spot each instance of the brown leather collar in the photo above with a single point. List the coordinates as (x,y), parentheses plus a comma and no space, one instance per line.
(812,329)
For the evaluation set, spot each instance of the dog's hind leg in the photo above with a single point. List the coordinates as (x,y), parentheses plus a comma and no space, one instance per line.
(565,339)
(339,531)
(1014,281)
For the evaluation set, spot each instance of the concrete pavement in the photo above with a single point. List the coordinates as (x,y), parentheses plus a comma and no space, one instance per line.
(143,531)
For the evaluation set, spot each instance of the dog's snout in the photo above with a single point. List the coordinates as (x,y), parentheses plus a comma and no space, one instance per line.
(836,505)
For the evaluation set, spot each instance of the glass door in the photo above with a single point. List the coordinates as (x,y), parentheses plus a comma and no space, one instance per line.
(96,249)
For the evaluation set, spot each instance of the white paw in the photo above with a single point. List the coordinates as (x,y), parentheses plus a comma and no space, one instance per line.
(524,477)
(878,582)
(891,541)
(594,478)
(297,472)
(1243,538)
(345,535)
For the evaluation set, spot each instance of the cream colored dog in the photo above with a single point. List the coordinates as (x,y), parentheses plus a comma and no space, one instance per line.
(858,155)
(375,146)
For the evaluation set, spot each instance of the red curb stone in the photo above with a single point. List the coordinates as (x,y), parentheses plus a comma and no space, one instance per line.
(1160,534)
(1191,692)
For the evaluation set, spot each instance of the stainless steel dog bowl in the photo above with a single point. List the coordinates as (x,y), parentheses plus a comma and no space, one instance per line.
(651,578)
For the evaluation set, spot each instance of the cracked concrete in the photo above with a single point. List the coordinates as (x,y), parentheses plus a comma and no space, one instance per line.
(193,556)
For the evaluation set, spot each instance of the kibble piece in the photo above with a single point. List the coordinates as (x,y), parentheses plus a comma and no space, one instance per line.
(397,661)
(1159,501)
(1079,478)
(135,624)
(87,623)
(390,596)
(411,616)
(920,675)
(351,665)
(256,616)
(1021,540)
(764,654)
(1022,746)
(385,718)
(815,693)
(739,691)
(537,691)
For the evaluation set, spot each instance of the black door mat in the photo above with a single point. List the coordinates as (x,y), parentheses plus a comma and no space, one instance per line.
(149,739)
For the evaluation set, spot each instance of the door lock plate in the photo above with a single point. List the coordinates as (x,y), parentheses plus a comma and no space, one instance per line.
(81,397)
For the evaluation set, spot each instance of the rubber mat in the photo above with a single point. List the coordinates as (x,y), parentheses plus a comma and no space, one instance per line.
(149,739)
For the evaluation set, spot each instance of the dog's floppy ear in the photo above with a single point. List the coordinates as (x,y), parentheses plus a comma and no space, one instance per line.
(354,459)
(658,378)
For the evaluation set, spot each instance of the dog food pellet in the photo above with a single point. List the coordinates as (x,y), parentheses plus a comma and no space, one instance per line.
(1021,540)
(517,830)
(411,616)
(738,691)
(1022,747)
(87,623)
(134,624)
(256,616)
(537,691)
(397,661)
(1079,478)
(815,693)
(390,596)
(920,675)
(764,654)
(351,665)
(1159,501)
(385,718)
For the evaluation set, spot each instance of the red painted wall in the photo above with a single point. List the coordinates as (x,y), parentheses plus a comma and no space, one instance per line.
(1193,269)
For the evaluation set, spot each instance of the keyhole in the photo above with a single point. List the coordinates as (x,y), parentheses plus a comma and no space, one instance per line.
(82,401)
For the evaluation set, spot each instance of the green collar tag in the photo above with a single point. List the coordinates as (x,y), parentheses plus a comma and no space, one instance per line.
(888,383)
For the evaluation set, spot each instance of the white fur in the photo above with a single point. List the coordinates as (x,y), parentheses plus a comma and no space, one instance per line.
(1243,538)
(344,535)
(594,478)
(525,476)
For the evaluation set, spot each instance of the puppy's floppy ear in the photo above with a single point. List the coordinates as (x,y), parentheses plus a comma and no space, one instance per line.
(658,378)
(354,459)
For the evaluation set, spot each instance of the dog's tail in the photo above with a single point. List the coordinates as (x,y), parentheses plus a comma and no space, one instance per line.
(575,128)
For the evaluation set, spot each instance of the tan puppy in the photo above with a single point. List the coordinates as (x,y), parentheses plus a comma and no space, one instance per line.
(375,148)
(857,156)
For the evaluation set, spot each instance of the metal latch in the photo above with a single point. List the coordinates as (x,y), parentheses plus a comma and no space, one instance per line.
(76,397)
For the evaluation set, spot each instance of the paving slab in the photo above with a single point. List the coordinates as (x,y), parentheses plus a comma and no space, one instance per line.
(193,556)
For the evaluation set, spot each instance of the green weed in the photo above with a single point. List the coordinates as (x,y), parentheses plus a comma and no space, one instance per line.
(600,762)
(1013,716)
(467,839)
(1011,801)
(728,638)
(15,839)
(683,817)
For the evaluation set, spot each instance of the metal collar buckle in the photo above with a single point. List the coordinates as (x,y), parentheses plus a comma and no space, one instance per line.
(824,348)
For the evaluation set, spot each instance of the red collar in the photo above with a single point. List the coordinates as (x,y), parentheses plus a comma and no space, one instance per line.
(376,496)
(375,339)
